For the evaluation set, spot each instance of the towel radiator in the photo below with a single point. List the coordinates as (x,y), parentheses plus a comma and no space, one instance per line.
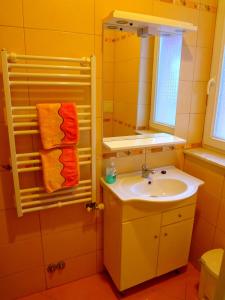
(60,79)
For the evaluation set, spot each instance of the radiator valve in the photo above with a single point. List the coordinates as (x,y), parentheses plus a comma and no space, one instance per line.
(92,205)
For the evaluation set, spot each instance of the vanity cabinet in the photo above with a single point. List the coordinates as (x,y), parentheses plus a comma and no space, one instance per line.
(145,240)
(139,249)
(174,247)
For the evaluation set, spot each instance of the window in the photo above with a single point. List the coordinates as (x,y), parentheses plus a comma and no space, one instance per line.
(214,132)
(166,69)
(219,125)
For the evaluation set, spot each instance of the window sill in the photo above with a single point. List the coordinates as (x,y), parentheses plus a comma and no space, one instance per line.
(209,156)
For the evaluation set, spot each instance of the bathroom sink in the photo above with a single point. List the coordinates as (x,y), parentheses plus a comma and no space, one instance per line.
(158,187)
(167,184)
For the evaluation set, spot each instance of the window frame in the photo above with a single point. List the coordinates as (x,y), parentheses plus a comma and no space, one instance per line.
(152,123)
(216,71)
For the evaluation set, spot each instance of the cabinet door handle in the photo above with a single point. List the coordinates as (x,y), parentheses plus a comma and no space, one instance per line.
(155,236)
(165,234)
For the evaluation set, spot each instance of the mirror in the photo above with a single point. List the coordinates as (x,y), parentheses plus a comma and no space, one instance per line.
(127,80)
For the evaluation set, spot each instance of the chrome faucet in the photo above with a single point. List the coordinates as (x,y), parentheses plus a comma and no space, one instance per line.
(145,171)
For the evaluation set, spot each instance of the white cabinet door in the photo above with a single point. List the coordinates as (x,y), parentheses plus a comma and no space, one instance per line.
(174,247)
(140,242)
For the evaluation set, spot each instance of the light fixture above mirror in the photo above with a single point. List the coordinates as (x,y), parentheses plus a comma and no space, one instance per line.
(145,25)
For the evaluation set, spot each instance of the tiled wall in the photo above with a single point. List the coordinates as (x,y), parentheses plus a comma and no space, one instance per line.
(74,28)
(126,82)
(108,69)
(126,79)
(209,228)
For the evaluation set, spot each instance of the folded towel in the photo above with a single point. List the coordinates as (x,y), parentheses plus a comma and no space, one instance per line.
(58,124)
(60,168)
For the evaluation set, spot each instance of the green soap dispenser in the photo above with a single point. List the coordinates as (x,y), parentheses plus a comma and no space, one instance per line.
(110,174)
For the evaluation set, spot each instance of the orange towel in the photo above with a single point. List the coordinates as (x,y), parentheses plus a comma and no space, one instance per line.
(60,168)
(58,124)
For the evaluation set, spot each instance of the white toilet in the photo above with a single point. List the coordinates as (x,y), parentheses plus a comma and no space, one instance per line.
(210,269)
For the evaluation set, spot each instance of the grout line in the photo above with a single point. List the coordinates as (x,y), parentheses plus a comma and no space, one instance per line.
(29,268)
(72,228)
(43,252)
(58,30)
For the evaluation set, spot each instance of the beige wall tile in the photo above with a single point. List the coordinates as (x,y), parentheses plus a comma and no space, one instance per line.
(6,190)
(182,124)
(69,243)
(12,38)
(99,98)
(4,151)
(100,265)
(108,91)
(179,159)
(210,2)
(98,187)
(128,92)
(45,42)
(202,239)
(144,93)
(16,285)
(76,268)
(98,52)
(161,159)
(108,70)
(198,97)
(184,97)
(99,137)
(67,15)
(108,46)
(206,29)
(143,115)
(179,13)
(187,63)
(127,70)
(203,64)
(99,236)
(19,256)
(13,229)
(11,13)
(221,217)
(219,239)
(195,130)
(66,218)
(213,177)
(208,206)
(131,42)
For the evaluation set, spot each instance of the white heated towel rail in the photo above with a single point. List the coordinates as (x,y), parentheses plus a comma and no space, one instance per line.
(28,71)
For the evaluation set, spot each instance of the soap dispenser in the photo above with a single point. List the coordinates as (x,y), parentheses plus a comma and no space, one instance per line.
(110,174)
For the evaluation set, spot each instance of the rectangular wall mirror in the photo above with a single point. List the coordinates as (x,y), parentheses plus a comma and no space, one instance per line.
(140,82)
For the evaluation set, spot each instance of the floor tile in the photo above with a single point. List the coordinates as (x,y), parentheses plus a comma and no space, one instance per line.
(182,285)
(35,297)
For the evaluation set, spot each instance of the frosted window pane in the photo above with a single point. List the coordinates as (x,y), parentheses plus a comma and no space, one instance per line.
(168,79)
(219,126)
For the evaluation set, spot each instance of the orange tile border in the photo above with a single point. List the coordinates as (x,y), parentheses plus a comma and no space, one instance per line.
(192,4)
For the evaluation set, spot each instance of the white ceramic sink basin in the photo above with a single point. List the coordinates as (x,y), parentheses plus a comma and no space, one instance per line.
(158,187)
(173,186)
